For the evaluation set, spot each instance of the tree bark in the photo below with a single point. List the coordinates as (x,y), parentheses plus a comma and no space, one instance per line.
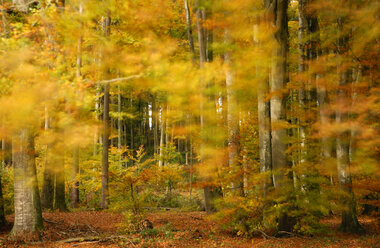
(349,222)
(189,30)
(47,193)
(59,162)
(106,126)
(162,133)
(104,200)
(276,11)
(277,83)
(265,147)
(232,114)
(75,185)
(210,192)
(28,216)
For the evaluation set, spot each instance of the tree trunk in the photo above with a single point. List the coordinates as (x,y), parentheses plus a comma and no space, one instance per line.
(277,14)
(265,147)
(119,127)
(277,83)
(189,30)
(349,222)
(104,200)
(47,194)
(210,192)
(59,162)
(28,216)
(232,114)
(106,126)
(75,185)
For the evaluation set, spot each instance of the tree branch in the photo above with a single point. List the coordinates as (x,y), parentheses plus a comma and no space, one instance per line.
(120,79)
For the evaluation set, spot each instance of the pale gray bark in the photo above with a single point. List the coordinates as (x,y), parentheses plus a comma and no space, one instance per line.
(28,217)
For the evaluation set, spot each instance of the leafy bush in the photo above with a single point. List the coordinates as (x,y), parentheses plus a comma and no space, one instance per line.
(6,174)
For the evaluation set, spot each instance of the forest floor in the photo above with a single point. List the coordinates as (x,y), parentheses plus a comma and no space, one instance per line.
(175,229)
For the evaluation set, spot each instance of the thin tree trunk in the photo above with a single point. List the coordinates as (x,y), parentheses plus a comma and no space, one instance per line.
(59,201)
(232,113)
(210,192)
(75,185)
(47,193)
(160,161)
(189,30)
(265,147)
(155,125)
(106,128)
(28,215)
(119,127)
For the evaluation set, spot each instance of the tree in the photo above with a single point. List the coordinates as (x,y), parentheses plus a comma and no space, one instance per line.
(28,215)
(349,222)
(277,16)
(106,126)
(232,112)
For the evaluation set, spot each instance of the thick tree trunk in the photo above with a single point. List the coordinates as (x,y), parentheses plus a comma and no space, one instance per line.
(277,83)
(349,222)
(265,147)
(277,15)
(28,216)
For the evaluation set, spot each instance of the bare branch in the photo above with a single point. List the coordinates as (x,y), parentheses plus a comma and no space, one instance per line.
(120,79)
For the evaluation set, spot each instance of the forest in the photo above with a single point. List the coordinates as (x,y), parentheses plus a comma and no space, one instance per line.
(189,123)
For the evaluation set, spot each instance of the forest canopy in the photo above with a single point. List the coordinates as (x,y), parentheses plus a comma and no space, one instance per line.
(263,113)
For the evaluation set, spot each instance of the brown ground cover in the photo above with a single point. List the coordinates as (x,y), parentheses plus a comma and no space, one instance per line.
(176,229)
